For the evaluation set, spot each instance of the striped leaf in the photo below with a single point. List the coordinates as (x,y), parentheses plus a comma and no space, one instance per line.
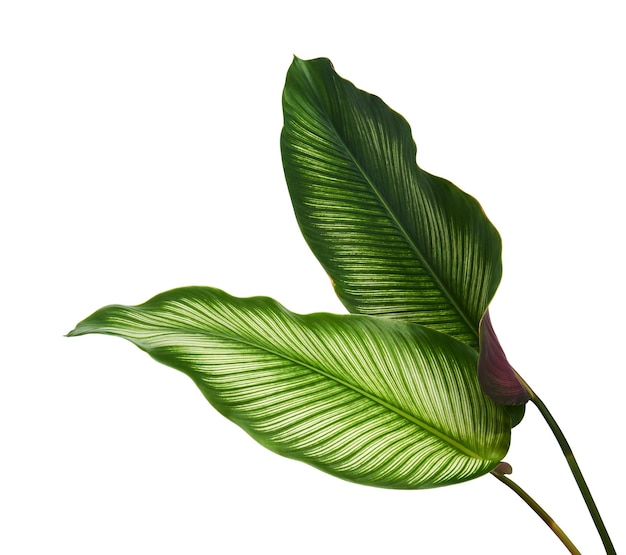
(372,401)
(397,241)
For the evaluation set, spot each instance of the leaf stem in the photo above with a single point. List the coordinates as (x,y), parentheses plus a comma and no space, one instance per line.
(539,510)
(578,475)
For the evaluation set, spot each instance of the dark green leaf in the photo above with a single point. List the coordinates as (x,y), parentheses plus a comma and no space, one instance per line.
(397,241)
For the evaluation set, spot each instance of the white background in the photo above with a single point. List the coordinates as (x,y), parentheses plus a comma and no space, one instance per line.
(139,152)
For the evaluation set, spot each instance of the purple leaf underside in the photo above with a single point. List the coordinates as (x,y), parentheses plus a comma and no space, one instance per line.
(498,379)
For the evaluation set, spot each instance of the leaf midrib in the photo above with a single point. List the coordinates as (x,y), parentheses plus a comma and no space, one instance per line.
(453,443)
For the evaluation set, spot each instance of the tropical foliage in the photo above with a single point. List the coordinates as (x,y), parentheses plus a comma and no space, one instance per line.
(412,389)
(367,399)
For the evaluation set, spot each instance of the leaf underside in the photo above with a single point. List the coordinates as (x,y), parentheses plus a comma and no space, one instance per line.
(497,377)
(372,401)
(397,241)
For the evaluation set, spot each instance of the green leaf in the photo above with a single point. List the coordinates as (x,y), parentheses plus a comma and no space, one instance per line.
(372,401)
(516,412)
(397,241)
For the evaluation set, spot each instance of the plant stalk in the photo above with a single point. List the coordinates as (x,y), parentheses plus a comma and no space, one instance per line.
(578,476)
(539,510)
(573,464)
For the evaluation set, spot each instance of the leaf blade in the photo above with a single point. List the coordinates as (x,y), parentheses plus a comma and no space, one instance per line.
(350,395)
(397,241)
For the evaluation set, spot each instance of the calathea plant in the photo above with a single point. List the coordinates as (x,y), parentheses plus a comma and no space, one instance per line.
(412,389)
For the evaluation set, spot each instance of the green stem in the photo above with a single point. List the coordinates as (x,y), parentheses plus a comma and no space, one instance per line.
(539,510)
(578,475)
